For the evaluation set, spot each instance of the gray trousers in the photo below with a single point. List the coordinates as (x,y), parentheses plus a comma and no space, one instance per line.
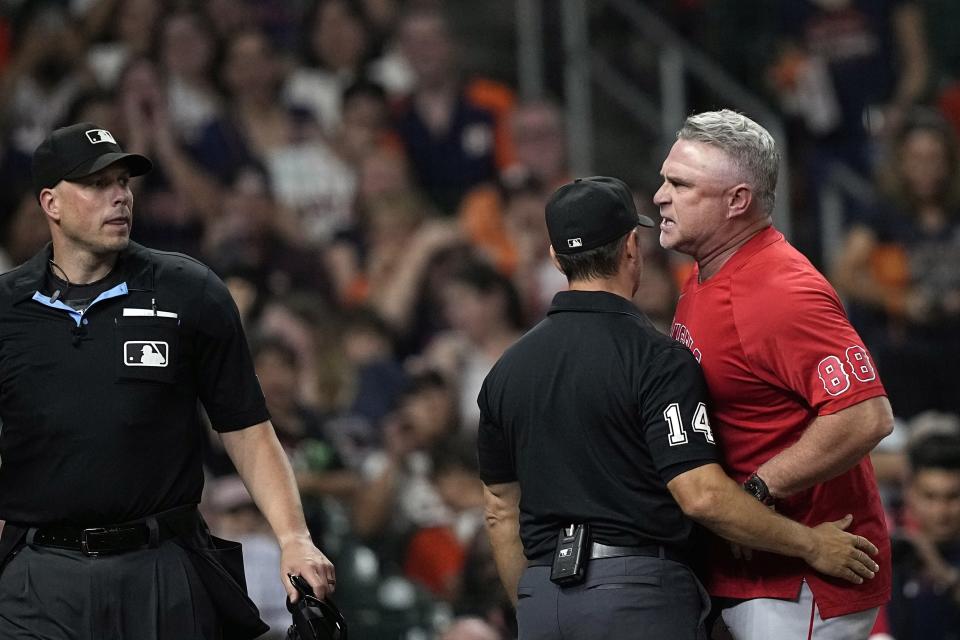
(150,594)
(635,597)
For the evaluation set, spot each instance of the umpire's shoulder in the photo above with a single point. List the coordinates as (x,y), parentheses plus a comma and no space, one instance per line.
(523,352)
(8,278)
(172,263)
(663,347)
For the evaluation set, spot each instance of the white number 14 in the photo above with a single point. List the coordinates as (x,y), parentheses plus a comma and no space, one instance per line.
(678,434)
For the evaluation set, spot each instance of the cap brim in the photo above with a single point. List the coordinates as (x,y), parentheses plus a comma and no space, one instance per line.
(644,221)
(137,164)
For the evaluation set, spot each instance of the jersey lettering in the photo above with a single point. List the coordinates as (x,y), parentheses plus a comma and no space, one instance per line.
(835,380)
(701,422)
(678,435)
(860,365)
(675,423)
(682,334)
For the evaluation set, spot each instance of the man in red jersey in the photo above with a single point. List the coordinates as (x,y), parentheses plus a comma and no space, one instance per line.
(797,402)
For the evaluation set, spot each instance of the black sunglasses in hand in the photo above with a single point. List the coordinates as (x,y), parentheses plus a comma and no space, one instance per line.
(313,618)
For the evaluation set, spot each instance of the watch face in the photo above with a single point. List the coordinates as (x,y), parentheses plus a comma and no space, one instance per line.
(756,488)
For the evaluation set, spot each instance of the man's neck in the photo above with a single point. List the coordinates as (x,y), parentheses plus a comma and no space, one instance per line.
(81,267)
(615,286)
(716,258)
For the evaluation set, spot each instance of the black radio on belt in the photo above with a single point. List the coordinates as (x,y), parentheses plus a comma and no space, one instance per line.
(570,558)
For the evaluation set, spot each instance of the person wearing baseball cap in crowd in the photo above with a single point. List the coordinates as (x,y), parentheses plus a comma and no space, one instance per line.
(597,456)
(106,349)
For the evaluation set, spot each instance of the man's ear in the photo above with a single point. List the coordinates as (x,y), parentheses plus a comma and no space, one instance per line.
(50,204)
(632,245)
(739,200)
(553,259)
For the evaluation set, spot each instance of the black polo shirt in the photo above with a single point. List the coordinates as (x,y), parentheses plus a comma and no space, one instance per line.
(101,409)
(593,412)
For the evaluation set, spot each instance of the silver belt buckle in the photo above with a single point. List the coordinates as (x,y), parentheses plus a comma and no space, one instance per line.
(84,543)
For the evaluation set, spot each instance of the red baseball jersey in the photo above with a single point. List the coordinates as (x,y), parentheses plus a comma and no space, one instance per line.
(777,351)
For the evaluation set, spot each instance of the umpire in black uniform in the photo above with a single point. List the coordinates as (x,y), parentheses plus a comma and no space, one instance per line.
(595,452)
(107,348)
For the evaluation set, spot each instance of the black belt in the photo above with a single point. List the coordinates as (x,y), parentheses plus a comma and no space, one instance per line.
(129,536)
(599,550)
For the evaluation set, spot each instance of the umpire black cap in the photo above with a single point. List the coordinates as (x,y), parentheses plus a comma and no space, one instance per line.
(79,150)
(590,212)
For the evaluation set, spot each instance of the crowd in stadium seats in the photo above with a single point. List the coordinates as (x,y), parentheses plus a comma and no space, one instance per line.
(378,216)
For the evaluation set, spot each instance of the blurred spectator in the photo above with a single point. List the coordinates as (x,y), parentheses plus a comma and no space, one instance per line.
(926,555)
(230,16)
(483,311)
(307,176)
(847,70)
(398,496)
(537,132)
(256,234)
(378,379)
(364,267)
(243,284)
(22,234)
(364,128)
(348,370)
(179,198)
(389,68)
(709,23)
(189,54)
(336,48)
(122,30)
(406,292)
(297,318)
(900,270)
(391,225)
(436,555)
(482,593)
(384,172)
(535,275)
(43,77)
(315,460)
(453,130)
(97,106)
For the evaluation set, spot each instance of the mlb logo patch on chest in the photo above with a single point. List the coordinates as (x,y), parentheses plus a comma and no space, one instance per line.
(146,353)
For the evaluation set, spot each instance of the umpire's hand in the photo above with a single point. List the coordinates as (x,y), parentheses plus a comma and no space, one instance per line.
(841,554)
(299,557)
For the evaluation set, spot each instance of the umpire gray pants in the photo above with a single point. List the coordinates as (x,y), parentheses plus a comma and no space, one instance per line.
(635,597)
(150,594)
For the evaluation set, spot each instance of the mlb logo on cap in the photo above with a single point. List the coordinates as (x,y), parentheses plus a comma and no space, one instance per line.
(574,242)
(97,136)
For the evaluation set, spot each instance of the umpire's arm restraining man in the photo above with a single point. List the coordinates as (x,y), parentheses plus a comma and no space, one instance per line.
(597,456)
(107,351)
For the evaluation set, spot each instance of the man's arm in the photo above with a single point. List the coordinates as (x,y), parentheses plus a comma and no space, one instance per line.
(265,470)
(707,495)
(829,446)
(502,515)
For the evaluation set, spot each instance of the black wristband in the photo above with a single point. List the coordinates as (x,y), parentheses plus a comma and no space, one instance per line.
(756,487)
